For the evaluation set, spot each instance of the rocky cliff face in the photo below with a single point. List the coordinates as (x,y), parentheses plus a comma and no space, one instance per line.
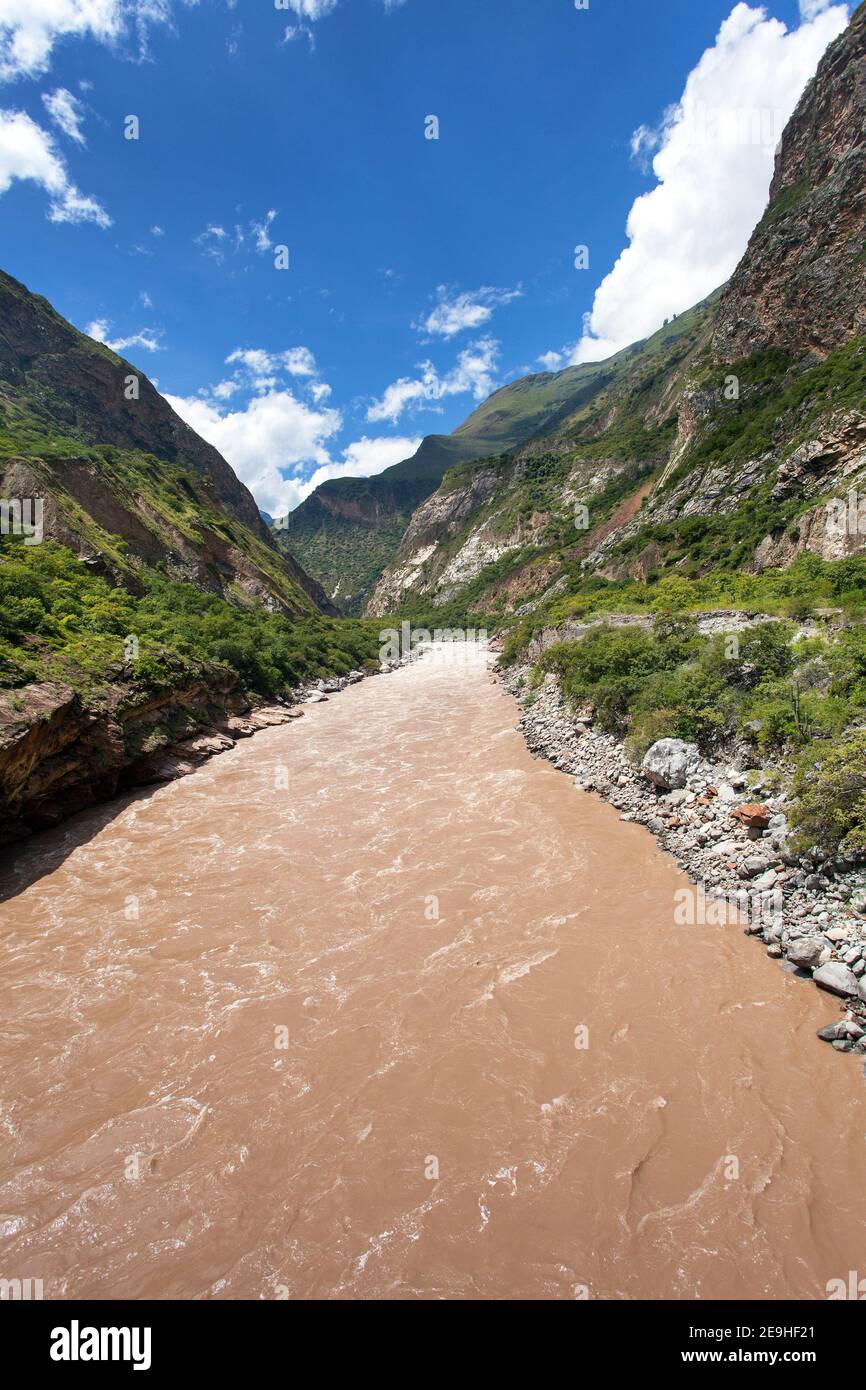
(800,285)
(727,442)
(508,525)
(60,752)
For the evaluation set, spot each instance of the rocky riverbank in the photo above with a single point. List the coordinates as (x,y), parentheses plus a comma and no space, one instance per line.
(729,833)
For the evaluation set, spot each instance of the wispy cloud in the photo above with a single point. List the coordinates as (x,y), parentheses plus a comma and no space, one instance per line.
(458,312)
(146,338)
(473,373)
(218,243)
(29,29)
(67,113)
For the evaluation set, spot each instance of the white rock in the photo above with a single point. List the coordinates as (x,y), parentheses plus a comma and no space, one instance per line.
(836,977)
(669,762)
(804,951)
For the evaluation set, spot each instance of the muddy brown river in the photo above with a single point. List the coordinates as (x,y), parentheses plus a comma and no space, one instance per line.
(376,1006)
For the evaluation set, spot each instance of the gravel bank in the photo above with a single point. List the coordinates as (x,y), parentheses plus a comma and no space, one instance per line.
(730,836)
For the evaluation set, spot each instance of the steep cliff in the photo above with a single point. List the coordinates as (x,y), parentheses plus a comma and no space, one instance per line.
(725,444)
(800,286)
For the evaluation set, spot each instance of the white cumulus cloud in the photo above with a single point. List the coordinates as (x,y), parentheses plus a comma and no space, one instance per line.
(282,447)
(274,433)
(474,373)
(713,162)
(28,152)
(259,370)
(363,459)
(551,361)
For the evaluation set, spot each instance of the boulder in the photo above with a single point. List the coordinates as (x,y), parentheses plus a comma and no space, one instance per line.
(765,881)
(204,746)
(805,951)
(836,977)
(753,816)
(669,762)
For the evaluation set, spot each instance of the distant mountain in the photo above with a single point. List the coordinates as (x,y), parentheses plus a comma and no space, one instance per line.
(349,529)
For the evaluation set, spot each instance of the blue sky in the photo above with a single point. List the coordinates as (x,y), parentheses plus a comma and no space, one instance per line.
(422,273)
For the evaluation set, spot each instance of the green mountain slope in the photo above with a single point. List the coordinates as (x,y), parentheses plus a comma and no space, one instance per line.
(124,480)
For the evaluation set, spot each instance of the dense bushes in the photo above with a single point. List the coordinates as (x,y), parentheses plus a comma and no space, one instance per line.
(757,685)
(830,796)
(57,620)
(790,698)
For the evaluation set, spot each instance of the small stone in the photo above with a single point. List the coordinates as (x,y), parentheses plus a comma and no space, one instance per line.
(832,1031)
(767,880)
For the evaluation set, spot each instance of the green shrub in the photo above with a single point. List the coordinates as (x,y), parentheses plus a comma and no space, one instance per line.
(829,810)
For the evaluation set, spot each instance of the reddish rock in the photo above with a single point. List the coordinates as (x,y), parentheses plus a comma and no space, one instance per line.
(752,816)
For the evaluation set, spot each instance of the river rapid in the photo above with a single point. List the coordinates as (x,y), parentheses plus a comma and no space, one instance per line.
(377,1006)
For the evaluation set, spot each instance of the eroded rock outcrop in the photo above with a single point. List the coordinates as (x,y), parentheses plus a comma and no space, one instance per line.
(800,285)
